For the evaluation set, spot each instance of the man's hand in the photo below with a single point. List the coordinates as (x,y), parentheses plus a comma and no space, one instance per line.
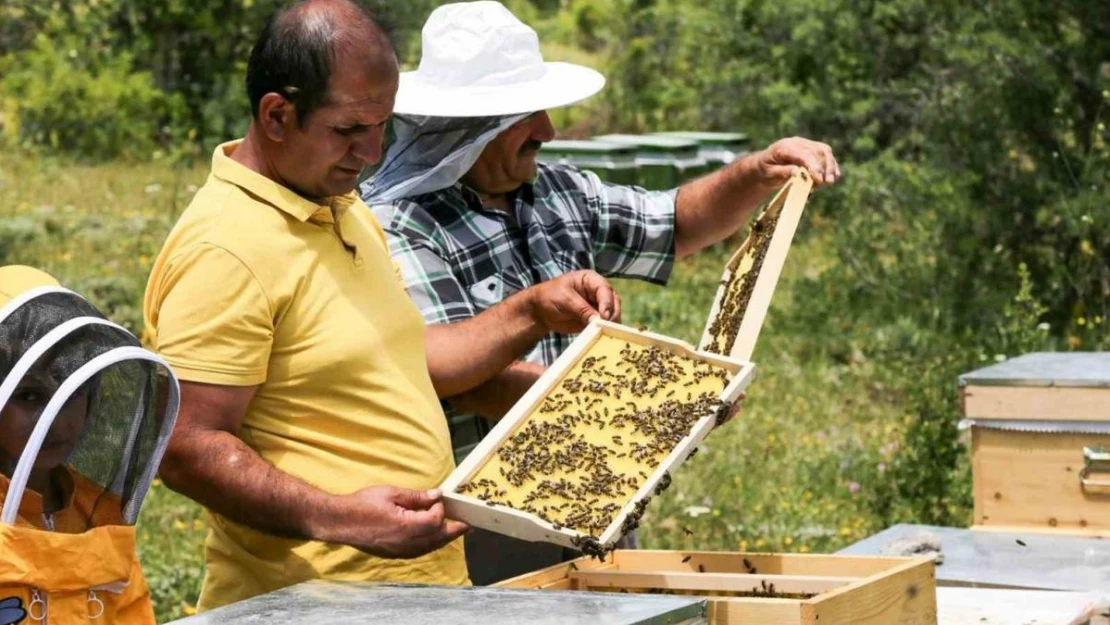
(568,303)
(713,207)
(734,409)
(391,522)
(207,461)
(778,162)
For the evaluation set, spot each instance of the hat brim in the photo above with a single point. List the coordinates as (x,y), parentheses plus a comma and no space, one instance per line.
(562,84)
(18,279)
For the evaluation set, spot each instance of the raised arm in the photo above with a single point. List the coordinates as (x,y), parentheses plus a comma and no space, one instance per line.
(713,207)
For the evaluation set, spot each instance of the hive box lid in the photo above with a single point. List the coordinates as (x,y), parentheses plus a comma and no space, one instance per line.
(571,146)
(1005,559)
(320,602)
(1045,386)
(1078,369)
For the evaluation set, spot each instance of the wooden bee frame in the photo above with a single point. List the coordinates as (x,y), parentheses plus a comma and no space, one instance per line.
(528,526)
(782,216)
(857,590)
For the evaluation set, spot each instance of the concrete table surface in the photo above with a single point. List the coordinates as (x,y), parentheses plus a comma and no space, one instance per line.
(354,603)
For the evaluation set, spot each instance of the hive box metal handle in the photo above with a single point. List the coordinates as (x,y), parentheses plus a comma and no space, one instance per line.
(1095,460)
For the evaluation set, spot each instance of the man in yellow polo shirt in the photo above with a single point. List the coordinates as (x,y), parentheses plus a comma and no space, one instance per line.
(310,427)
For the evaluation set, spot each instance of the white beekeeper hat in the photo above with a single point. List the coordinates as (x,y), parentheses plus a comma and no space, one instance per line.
(479,60)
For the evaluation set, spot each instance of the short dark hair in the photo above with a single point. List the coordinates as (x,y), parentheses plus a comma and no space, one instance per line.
(296,51)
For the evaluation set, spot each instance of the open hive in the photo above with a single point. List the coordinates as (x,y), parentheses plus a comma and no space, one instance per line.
(750,276)
(577,460)
(757,588)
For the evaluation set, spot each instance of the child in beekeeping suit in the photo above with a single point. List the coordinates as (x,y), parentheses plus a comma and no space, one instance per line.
(85,415)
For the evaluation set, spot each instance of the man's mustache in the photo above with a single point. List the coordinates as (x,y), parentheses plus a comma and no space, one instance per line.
(530,145)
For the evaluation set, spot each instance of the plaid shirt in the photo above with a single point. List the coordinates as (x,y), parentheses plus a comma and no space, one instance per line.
(458,257)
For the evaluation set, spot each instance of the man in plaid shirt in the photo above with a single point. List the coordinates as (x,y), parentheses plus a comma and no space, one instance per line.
(473,218)
(459,256)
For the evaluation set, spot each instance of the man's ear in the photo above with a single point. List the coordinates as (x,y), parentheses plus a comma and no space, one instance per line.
(276,115)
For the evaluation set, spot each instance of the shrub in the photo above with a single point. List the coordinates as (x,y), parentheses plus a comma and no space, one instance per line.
(17,233)
(101,110)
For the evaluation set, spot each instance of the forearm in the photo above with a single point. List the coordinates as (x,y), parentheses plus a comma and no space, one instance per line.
(223,474)
(494,398)
(711,208)
(464,355)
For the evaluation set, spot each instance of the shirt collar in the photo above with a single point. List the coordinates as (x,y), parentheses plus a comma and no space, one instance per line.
(270,191)
(524,195)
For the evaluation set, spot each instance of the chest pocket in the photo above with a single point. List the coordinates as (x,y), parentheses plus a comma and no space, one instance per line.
(495,288)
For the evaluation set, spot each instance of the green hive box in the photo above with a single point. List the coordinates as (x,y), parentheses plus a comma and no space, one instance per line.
(665,162)
(611,162)
(717,148)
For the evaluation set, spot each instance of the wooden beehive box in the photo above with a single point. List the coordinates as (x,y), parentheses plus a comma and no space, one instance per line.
(1040,443)
(750,277)
(496,486)
(856,590)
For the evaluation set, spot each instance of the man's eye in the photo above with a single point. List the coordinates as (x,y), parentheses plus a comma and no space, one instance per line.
(347,131)
(28,396)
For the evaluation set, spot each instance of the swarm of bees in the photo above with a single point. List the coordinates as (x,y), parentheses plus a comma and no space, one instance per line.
(740,284)
(598,435)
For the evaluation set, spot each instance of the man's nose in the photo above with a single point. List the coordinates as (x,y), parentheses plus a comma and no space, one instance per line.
(368,148)
(543,130)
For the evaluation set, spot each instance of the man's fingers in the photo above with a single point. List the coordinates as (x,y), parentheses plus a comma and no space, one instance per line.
(830,164)
(582,310)
(444,534)
(604,296)
(454,529)
(415,499)
(425,522)
(815,165)
(736,407)
(616,317)
(779,174)
(595,287)
(816,157)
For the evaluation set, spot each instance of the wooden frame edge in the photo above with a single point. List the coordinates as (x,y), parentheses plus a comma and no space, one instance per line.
(527,526)
(790,199)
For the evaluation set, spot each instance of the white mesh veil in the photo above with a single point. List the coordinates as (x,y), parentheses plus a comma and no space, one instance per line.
(430,153)
(85,414)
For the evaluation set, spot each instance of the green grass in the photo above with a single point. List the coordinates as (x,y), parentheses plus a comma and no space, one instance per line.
(800,469)
(171,537)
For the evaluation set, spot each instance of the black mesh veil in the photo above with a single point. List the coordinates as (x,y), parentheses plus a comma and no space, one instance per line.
(85,414)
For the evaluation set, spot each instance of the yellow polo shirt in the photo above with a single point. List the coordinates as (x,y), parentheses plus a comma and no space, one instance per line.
(258,286)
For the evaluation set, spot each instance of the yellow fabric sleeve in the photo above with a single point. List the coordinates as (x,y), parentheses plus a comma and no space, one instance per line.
(215,324)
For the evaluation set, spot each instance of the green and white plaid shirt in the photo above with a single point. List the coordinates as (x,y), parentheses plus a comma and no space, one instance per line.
(458,257)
